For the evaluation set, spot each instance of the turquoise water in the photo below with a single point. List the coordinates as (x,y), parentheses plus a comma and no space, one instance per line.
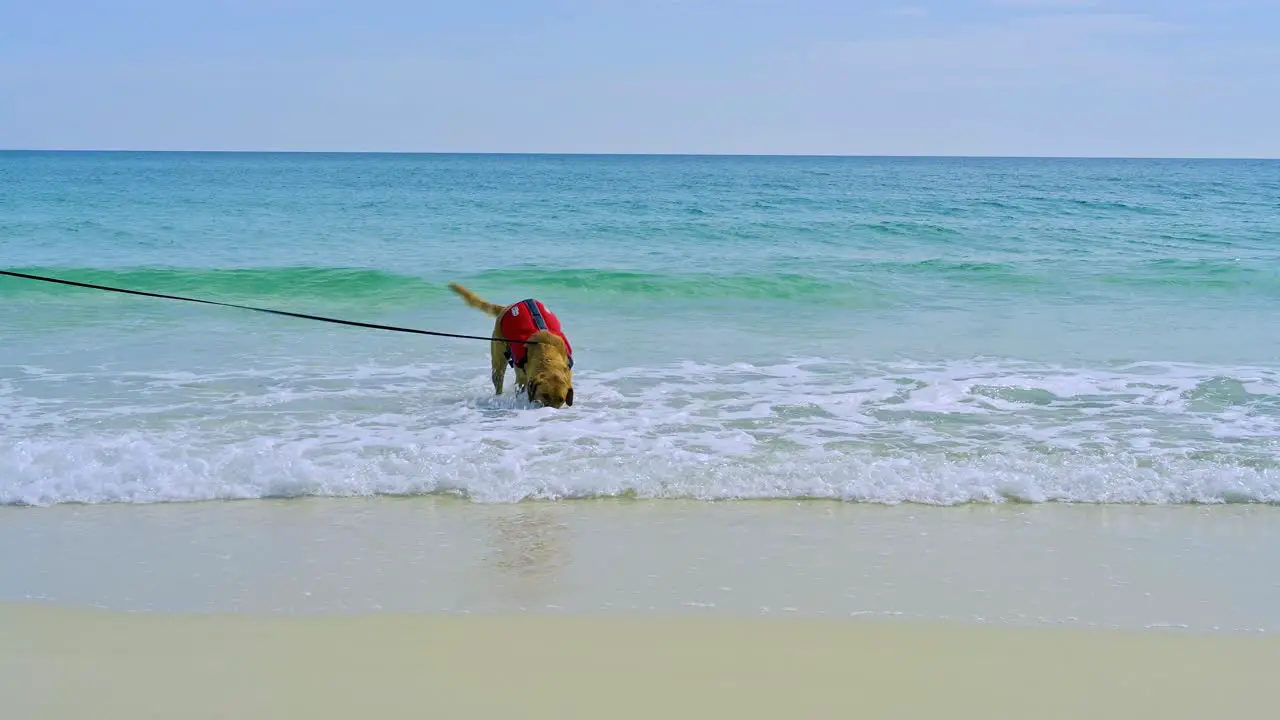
(879,330)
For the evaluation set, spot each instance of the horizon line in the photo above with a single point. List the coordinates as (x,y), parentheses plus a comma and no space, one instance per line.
(779,155)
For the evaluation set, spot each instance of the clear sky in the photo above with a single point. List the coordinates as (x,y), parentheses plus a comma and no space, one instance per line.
(960,77)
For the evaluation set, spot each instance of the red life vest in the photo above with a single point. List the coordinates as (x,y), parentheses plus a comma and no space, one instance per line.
(521,321)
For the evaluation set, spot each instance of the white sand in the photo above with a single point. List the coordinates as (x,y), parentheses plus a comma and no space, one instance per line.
(57,663)
(1123,567)
(694,610)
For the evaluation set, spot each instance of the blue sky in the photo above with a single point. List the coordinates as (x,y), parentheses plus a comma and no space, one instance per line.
(978,77)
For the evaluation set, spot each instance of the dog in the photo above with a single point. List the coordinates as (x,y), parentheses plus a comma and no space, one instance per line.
(544,366)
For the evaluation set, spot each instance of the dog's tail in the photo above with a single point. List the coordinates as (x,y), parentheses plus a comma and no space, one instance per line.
(476,301)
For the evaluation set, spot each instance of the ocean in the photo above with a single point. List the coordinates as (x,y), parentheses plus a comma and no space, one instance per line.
(874,330)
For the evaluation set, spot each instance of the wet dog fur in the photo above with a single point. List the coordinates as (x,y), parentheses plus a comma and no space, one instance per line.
(545,377)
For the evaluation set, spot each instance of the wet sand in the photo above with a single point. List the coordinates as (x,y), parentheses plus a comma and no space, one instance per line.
(437,607)
(1124,567)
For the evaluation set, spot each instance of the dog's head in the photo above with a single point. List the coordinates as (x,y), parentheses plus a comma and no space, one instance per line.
(550,379)
(551,390)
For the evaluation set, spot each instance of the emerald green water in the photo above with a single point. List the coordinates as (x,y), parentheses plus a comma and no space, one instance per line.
(882,330)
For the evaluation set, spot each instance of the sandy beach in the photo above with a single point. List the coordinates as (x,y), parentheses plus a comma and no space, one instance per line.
(1183,568)
(442,608)
(59,663)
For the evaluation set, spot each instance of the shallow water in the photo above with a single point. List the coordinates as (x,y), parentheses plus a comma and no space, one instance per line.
(881,330)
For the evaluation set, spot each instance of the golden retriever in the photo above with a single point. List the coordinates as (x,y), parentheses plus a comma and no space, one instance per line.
(543,362)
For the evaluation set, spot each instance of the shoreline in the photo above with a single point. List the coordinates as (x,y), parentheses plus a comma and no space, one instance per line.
(1189,569)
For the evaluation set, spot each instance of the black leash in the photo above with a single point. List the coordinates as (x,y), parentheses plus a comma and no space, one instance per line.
(286,313)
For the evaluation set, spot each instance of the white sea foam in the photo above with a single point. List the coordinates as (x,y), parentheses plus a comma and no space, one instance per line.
(973,431)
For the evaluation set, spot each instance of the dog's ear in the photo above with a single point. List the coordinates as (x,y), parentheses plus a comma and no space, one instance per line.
(568,398)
